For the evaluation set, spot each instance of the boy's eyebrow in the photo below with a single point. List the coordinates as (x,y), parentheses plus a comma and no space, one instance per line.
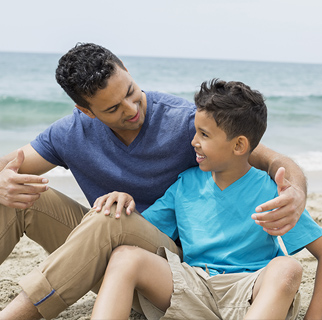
(128,93)
(203,130)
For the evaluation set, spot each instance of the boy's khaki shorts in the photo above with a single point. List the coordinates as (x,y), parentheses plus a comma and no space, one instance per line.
(196,295)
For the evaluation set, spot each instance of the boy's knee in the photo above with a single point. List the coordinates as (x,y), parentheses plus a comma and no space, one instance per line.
(131,253)
(288,273)
(127,257)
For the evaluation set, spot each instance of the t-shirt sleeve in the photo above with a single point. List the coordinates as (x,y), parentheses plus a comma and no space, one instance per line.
(50,142)
(305,231)
(162,213)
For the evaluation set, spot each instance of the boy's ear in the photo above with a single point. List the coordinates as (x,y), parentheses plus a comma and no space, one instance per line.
(86,111)
(241,145)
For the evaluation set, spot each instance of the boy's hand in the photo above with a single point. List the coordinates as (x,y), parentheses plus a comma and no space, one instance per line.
(122,199)
(286,208)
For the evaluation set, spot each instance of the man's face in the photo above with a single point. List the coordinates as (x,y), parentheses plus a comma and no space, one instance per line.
(121,105)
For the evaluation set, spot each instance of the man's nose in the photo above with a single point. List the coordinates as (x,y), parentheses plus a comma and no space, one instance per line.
(129,106)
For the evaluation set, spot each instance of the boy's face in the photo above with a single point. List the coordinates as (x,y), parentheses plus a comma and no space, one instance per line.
(214,152)
(121,105)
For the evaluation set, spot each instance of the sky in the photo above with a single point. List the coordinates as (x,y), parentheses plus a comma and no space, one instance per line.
(255,30)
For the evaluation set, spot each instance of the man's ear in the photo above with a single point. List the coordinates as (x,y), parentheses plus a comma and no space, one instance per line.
(86,111)
(241,145)
(124,66)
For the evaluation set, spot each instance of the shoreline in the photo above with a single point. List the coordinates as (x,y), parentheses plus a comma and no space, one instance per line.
(67,184)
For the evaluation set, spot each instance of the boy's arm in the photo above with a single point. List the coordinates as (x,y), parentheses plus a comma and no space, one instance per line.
(289,205)
(315,308)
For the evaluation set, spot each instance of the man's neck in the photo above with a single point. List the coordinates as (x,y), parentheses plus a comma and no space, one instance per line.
(127,136)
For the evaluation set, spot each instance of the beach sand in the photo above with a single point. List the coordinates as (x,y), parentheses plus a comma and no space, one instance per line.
(28,254)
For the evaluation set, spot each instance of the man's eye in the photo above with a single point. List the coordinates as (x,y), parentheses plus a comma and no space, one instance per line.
(204,135)
(113,109)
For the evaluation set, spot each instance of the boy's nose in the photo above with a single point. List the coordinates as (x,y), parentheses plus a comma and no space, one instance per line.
(194,142)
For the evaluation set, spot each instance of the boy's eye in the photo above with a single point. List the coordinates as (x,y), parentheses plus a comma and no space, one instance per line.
(203,134)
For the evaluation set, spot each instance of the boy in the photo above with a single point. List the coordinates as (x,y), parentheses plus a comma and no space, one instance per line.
(232,269)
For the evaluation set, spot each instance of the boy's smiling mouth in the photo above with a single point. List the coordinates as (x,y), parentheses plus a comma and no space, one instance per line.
(199,157)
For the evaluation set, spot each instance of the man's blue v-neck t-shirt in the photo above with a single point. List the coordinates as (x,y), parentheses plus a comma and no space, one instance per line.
(101,163)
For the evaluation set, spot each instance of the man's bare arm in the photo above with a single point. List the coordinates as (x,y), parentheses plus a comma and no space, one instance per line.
(20,183)
(289,205)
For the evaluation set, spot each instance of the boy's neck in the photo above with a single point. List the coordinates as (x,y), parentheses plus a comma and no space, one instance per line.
(224,179)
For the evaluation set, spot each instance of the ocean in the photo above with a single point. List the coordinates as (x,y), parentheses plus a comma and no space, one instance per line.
(30,98)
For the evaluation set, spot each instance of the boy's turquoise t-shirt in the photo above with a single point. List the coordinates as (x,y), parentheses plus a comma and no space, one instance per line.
(215,226)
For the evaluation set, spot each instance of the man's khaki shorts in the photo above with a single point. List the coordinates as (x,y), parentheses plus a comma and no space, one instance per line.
(196,295)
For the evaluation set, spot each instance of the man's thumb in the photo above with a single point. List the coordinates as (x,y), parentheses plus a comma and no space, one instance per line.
(16,163)
(279,179)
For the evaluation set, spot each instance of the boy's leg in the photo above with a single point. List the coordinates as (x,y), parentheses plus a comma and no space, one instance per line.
(79,264)
(275,289)
(133,268)
(48,222)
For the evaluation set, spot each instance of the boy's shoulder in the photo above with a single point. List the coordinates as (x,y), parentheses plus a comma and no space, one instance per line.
(193,172)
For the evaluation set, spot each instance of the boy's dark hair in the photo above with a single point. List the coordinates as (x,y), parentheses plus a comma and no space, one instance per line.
(85,69)
(236,108)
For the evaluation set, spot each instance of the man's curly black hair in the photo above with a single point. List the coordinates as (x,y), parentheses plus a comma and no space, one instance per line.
(85,69)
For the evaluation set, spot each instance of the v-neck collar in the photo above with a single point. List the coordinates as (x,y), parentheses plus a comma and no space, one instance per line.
(236,184)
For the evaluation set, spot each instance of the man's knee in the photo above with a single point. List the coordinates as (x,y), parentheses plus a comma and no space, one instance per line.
(127,223)
(99,218)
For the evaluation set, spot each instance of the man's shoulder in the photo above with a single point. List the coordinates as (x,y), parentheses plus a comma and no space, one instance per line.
(73,121)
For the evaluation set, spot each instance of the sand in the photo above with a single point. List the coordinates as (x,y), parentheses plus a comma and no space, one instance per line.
(28,254)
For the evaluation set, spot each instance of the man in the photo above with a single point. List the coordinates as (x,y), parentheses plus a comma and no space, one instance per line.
(118,138)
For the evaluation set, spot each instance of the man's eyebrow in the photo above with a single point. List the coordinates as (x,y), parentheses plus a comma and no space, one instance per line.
(128,93)
(129,89)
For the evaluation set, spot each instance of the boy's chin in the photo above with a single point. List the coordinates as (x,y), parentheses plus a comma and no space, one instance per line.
(204,169)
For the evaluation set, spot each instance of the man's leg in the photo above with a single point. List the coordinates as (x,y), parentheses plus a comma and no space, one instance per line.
(21,308)
(75,267)
(133,268)
(275,289)
(48,222)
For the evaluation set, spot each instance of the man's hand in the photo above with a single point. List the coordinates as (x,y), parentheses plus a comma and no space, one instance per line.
(286,208)
(19,190)
(122,199)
